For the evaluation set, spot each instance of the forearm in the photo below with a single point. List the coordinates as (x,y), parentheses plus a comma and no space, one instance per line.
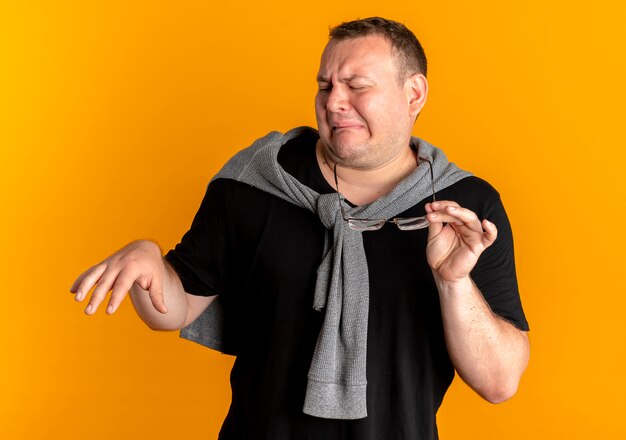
(489,353)
(174,297)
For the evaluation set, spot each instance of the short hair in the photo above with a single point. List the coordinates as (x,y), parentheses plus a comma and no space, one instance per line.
(408,47)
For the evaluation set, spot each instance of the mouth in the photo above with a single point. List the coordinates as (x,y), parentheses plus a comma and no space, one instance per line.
(345,126)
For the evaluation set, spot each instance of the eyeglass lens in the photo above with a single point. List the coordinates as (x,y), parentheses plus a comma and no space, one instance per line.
(359,224)
(411,223)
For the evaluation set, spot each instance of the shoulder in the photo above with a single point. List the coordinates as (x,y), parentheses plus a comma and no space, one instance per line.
(471,189)
(479,196)
(232,193)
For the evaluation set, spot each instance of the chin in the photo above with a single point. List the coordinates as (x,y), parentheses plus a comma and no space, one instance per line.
(349,145)
(353,155)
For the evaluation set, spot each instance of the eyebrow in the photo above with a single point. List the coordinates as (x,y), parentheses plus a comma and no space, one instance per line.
(321,78)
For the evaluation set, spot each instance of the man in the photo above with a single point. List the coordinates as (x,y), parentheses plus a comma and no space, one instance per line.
(342,328)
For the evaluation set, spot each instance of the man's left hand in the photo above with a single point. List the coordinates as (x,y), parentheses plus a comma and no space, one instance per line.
(456,238)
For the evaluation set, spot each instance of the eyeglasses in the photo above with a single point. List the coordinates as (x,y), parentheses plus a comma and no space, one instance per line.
(403,223)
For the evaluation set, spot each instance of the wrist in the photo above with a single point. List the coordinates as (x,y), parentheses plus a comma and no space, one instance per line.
(451,287)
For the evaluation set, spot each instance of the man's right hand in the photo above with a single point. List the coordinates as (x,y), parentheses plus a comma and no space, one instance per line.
(138,262)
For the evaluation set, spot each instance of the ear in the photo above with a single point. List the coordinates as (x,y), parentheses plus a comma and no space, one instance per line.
(416,87)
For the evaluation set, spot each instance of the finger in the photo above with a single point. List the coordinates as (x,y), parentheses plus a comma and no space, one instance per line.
(435,225)
(459,216)
(87,280)
(80,279)
(77,282)
(491,233)
(436,222)
(441,205)
(121,287)
(442,218)
(105,283)
(480,240)
(155,290)
(154,286)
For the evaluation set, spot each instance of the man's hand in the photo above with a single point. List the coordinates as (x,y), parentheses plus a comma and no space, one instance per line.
(139,262)
(455,240)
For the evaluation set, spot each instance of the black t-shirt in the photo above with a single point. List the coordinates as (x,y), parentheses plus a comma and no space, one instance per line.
(260,253)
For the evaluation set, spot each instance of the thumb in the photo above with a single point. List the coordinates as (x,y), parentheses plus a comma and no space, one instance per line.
(434,225)
(155,291)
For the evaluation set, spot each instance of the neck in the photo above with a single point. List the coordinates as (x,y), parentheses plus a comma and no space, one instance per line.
(363,186)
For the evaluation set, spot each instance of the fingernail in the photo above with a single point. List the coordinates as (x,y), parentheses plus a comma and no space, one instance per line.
(88,309)
(110,309)
(79,296)
(435,203)
(451,208)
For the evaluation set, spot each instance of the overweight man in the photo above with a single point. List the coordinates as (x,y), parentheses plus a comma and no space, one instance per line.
(351,269)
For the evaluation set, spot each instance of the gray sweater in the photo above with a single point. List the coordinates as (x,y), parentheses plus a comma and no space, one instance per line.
(337,383)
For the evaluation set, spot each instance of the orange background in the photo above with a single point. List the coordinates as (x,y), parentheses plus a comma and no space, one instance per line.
(114,115)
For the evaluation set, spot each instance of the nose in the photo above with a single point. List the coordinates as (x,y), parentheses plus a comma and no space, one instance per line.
(337,100)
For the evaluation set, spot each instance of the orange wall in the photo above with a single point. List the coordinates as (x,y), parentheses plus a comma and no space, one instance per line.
(114,115)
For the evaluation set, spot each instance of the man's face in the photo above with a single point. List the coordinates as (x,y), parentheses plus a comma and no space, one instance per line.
(363,114)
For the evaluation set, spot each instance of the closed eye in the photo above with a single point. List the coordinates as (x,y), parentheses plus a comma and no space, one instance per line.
(323,86)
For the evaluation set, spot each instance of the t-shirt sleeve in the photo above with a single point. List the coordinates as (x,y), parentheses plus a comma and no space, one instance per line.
(199,257)
(495,274)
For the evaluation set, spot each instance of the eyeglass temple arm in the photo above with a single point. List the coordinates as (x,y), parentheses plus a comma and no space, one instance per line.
(339,196)
(432,176)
